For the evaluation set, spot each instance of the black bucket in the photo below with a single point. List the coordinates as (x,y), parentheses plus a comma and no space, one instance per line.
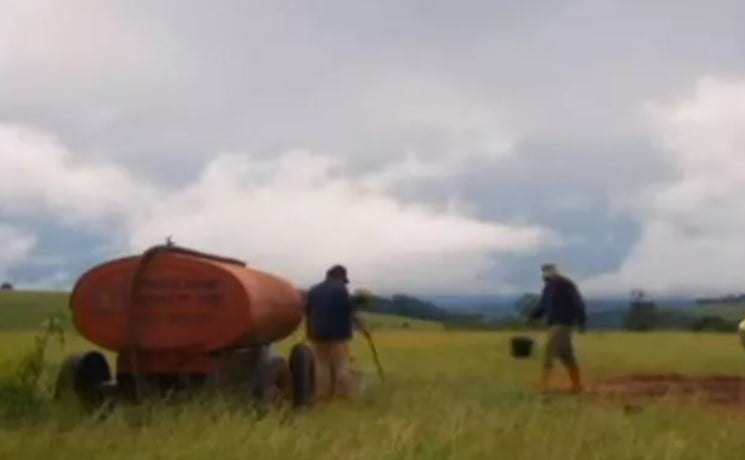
(522,347)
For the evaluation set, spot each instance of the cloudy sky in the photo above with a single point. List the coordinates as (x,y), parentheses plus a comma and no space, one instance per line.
(431,146)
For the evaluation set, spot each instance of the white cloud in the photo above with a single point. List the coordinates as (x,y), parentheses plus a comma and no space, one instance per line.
(39,174)
(16,248)
(693,227)
(427,112)
(59,43)
(135,87)
(294,214)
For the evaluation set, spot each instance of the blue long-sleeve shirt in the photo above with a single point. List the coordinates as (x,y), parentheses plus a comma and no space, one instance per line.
(330,312)
(562,303)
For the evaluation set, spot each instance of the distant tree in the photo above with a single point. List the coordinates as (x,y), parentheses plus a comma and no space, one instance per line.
(643,314)
(714,324)
(6,287)
(407,306)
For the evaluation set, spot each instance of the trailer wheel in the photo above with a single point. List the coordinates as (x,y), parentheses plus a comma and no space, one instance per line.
(302,367)
(83,375)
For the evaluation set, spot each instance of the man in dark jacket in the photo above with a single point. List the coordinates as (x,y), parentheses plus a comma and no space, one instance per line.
(331,319)
(562,304)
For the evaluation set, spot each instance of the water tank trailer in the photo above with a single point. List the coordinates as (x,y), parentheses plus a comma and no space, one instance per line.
(177,318)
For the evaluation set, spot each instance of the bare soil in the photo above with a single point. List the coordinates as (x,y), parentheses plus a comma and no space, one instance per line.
(722,391)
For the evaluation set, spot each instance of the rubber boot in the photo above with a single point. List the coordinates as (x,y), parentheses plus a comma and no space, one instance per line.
(574,377)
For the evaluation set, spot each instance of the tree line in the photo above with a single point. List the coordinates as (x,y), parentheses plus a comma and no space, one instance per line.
(642,313)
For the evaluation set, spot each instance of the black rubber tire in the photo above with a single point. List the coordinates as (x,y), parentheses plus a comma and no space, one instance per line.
(302,368)
(83,375)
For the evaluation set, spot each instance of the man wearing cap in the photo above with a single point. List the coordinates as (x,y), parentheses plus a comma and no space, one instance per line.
(564,307)
(331,318)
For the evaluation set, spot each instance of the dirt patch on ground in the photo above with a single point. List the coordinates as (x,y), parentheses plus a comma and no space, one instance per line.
(723,391)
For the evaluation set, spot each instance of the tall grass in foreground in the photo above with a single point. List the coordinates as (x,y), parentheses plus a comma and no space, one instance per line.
(411,421)
(451,395)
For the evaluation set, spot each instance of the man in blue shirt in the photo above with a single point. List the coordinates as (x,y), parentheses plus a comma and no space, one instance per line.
(562,304)
(331,319)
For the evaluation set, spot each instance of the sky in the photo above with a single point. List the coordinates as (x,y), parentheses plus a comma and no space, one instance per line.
(432,147)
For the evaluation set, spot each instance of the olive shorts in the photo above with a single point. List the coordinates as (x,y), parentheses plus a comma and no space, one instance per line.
(559,344)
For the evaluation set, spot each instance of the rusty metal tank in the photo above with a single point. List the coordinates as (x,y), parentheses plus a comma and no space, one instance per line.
(171,298)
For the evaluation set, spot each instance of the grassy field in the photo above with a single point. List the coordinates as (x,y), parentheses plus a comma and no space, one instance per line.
(454,395)
(24,310)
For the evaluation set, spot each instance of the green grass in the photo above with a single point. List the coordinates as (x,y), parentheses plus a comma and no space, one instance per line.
(24,310)
(448,395)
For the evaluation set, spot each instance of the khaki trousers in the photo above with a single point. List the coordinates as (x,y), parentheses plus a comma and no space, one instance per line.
(335,376)
(559,344)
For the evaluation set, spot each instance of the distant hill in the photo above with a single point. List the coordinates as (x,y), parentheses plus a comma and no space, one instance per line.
(731,299)
(493,304)
(729,311)
(27,309)
(409,307)
(388,322)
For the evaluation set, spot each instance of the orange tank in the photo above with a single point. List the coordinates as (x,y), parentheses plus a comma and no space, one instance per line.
(173,299)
